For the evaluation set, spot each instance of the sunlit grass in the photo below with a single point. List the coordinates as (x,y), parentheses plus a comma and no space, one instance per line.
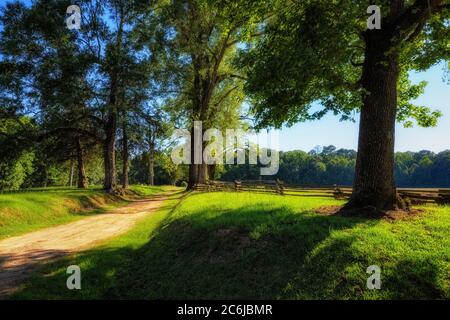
(241,245)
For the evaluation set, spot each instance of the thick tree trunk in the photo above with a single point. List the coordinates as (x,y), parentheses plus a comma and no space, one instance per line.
(211,171)
(374,184)
(202,173)
(193,168)
(109,154)
(125,182)
(192,179)
(198,172)
(82,180)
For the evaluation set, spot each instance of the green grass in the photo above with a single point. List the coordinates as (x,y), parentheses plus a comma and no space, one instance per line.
(241,245)
(23,212)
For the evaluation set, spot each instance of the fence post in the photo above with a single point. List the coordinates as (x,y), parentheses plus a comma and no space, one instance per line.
(280,187)
(236,185)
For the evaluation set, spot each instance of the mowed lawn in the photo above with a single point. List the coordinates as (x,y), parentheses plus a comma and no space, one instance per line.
(23,212)
(259,246)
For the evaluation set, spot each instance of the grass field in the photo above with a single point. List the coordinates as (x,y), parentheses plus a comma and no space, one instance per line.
(241,245)
(29,211)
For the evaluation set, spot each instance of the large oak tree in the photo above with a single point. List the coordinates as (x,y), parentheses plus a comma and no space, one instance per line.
(322,51)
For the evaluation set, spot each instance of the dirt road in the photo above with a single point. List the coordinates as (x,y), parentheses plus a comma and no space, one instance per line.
(22,254)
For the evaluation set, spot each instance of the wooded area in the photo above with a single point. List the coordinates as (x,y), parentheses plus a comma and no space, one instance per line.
(134,162)
(99,104)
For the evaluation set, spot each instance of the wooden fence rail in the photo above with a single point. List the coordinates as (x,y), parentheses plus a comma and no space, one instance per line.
(417,196)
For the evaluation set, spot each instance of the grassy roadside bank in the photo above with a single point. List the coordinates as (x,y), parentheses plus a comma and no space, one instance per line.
(255,246)
(29,211)
(103,265)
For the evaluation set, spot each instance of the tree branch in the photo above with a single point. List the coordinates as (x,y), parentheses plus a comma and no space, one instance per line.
(415,15)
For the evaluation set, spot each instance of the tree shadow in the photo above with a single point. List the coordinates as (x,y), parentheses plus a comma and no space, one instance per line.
(237,254)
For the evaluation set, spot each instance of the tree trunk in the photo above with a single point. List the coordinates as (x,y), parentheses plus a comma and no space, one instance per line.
(374,184)
(211,171)
(82,181)
(202,173)
(151,165)
(72,169)
(109,146)
(193,168)
(198,173)
(192,181)
(125,182)
(45,182)
(109,154)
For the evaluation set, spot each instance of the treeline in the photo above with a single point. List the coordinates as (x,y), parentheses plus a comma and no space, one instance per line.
(98,105)
(329,166)
(33,168)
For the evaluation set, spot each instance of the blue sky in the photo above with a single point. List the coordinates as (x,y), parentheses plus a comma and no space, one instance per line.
(329,130)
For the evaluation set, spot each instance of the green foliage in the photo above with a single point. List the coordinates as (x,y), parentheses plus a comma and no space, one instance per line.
(14,173)
(194,43)
(166,172)
(311,53)
(329,166)
(17,156)
(326,167)
(423,169)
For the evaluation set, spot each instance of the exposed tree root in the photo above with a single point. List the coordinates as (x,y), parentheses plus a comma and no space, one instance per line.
(400,210)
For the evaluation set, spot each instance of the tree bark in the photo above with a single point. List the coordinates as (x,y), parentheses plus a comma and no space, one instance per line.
(82,180)
(109,146)
(109,154)
(45,182)
(198,173)
(374,183)
(202,173)
(151,166)
(72,169)
(125,156)
(192,181)
(193,168)
(211,171)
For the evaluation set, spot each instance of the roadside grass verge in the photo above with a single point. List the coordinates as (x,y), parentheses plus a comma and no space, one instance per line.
(257,246)
(28,211)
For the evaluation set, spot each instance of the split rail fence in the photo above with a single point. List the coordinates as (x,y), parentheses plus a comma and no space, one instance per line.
(416,195)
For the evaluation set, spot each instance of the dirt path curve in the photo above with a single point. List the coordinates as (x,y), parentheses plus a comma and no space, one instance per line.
(22,254)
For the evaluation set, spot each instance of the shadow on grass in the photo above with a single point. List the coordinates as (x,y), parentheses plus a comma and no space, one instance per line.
(238,254)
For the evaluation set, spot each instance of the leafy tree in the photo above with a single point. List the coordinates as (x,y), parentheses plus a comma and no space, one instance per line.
(322,51)
(16,158)
(199,40)
(48,72)
(78,82)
